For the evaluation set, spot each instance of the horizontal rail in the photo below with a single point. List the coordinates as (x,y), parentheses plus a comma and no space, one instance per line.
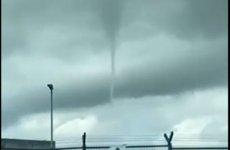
(197,148)
(130,146)
(107,147)
(145,146)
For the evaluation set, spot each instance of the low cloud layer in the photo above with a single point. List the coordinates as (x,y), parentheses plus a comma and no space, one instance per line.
(157,117)
(193,70)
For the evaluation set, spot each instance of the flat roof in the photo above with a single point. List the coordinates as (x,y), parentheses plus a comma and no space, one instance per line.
(23,140)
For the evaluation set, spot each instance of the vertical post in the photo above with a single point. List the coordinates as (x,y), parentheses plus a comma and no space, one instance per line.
(168,140)
(84,141)
(51,118)
(50,86)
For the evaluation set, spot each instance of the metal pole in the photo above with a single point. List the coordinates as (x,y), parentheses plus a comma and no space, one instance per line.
(168,140)
(84,141)
(51,117)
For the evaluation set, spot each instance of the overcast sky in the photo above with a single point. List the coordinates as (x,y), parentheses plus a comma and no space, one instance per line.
(170,61)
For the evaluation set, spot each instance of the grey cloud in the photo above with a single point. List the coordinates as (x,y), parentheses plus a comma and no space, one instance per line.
(189,18)
(24,18)
(199,69)
(11,44)
(202,69)
(110,13)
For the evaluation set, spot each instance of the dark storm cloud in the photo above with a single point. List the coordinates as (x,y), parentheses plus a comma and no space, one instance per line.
(10,43)
(206,68)
(187,18)
(20,18)
(201,70)
(25,19)
(111,15)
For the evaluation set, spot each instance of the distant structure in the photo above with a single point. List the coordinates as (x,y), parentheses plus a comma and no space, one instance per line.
(122,147)
(25,144)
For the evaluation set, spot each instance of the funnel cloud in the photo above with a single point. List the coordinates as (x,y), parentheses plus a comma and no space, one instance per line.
(111,13)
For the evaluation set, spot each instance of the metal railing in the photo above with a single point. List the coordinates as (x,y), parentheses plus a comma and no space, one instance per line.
(167,146)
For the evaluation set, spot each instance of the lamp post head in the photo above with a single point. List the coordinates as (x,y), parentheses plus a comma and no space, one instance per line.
(51,87)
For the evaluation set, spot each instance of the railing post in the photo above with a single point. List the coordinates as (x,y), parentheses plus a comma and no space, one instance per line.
(84,141)
(168,140)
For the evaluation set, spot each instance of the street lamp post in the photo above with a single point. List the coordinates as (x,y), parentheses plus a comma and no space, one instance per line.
(50,86)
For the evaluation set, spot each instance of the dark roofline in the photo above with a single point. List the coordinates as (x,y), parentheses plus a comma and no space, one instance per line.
(11,139)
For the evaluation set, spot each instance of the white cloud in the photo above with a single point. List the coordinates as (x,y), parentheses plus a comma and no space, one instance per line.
(193,129)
